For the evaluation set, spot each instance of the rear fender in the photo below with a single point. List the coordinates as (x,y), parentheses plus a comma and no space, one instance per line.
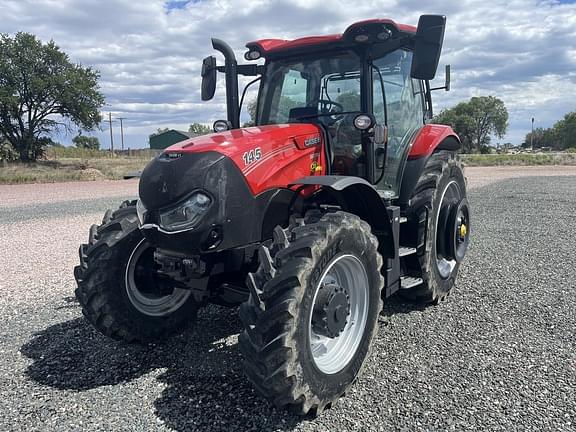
(357,196)
(430,139)
(434,137)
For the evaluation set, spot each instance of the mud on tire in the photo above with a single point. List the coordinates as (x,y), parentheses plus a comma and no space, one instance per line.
(102,282)
(276,342)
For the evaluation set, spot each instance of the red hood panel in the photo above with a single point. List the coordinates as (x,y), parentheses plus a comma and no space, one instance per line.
(230,143)
(268,156)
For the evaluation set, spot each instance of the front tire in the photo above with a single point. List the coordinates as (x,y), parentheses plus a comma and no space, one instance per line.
(119,291)
(309,331)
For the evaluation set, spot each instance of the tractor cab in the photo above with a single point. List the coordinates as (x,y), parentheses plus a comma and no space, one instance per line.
(372,78)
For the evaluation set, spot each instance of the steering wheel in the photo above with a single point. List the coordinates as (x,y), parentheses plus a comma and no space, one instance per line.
(325,104)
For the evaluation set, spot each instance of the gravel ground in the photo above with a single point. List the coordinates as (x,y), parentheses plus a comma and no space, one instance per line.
(481,176)
(24,194)
(499,355)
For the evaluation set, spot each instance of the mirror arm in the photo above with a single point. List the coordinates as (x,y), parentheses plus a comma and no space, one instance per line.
(447,82)
(250,69)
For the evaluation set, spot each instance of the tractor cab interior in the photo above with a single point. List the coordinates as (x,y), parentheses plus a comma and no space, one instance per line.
(325,90)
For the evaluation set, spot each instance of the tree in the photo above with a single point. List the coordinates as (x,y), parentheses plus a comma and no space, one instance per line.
(542,138)
(85,142)
(42,91)
(476,120)
(200,129)
(281,113)
(251,108)
(349,100)
(561,136)
(566,131)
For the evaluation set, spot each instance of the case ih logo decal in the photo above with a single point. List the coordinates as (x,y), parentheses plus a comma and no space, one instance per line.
(309,142)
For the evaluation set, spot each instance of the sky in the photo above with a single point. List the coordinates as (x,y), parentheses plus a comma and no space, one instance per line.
(149,53)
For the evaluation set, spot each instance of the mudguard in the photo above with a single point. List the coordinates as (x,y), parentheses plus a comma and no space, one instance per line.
(431,138)
(357,196)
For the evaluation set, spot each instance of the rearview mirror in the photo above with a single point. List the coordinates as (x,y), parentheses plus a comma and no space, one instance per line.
(208,78)
(428,46)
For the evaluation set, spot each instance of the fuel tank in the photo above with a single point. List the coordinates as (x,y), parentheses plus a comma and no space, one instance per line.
(245,172)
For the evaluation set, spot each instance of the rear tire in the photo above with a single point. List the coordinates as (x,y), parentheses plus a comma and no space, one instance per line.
(320,287)
(440,186)
(117,288)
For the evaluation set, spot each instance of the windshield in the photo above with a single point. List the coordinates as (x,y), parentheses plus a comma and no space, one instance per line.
(306,87)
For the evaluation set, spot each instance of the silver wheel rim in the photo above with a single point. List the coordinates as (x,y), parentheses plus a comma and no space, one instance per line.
(445,266)
(151,305)
(331,355)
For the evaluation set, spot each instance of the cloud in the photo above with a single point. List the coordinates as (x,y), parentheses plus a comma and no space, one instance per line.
(149,53)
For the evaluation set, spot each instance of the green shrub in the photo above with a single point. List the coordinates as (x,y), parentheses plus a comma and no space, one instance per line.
(7,153)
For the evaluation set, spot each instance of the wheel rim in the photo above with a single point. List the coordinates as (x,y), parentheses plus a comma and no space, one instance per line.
(143,288)
(450,195)
(331,355)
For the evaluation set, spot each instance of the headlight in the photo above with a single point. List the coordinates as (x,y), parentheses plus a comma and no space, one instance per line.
(187,214)
(141,211)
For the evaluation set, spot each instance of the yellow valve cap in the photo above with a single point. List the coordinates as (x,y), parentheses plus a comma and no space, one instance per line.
(463,230)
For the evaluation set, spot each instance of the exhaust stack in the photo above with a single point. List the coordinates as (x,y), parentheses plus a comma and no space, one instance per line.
(231,72)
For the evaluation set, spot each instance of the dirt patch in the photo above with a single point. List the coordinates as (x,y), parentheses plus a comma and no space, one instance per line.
(91,174)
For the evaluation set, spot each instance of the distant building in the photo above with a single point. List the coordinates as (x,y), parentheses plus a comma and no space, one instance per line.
(166,139)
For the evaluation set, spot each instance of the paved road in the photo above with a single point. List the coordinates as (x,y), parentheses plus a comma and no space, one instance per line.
(500,354)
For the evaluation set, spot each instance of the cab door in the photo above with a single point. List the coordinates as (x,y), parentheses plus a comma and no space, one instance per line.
(397,102)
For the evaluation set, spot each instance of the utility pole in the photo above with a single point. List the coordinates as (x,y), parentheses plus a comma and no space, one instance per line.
(532,136)
(121,130)
(111,136)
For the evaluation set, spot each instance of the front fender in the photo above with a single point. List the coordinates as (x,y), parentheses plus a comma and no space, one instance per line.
(357,196)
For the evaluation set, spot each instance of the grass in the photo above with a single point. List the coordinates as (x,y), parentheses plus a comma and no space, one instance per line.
(522,159)
(71,164)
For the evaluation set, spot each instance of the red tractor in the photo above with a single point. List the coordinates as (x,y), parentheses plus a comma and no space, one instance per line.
(339,196)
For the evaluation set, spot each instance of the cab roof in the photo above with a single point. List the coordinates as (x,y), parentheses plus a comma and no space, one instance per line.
(361,32)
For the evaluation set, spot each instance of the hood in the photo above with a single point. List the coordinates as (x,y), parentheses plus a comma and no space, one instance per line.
(262,157)
(236,142)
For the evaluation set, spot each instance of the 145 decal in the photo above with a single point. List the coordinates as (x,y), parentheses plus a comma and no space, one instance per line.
(252,156)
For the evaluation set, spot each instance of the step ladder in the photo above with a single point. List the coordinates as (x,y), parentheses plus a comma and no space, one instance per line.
(405,251)
(407,282)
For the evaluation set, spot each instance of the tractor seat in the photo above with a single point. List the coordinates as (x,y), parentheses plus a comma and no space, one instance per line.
(295,115)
